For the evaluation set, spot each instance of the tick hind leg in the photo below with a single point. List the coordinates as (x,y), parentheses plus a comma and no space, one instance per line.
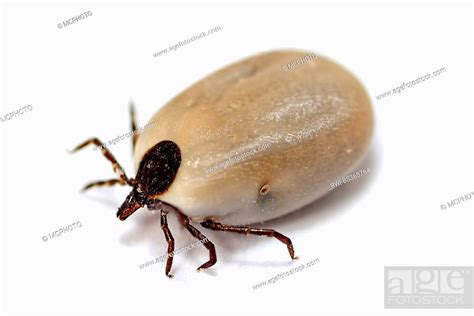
(210,224)
(122,177)
(207,243)
(203,239)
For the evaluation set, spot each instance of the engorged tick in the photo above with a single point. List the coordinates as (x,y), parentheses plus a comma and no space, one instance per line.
(256,143)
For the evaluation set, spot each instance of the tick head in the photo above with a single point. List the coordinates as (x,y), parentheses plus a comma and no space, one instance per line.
(156,172)
(133,202)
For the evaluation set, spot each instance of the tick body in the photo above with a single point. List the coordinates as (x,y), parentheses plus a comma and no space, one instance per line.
(247,144)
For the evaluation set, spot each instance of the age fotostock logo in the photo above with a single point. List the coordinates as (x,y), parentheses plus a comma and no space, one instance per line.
(428,287)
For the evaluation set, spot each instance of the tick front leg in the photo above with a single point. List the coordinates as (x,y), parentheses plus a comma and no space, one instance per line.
(170,240)
(210,224)
(103,183)
(108,155)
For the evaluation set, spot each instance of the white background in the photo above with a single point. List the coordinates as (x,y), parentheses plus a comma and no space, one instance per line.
(79,80)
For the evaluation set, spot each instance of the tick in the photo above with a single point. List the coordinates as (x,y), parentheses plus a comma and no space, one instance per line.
(249,143)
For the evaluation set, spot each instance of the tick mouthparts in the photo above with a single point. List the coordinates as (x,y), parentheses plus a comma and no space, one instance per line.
(128,207)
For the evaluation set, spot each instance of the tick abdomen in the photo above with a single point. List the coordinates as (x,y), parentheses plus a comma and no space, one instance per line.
(258,142)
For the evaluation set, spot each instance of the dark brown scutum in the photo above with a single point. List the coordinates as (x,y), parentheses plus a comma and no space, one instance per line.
(158,168)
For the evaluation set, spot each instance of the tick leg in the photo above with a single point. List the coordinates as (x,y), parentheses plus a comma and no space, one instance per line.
(115,165)
(170,240)
(110,182)
(133,126)
(198,235)
(210,224)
